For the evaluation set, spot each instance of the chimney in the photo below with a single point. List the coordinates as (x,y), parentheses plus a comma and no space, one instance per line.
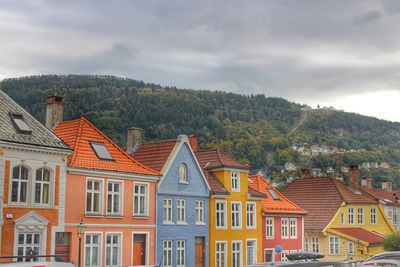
(367,182)
(54,111)
(193,142)
(387,186)
(305,173)
(354,176)
(133,140)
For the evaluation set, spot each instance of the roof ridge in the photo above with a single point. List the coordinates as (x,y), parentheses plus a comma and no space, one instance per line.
(336,187)
(78,137)
(158,141)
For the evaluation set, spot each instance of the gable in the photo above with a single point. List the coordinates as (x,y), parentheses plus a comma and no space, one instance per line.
(169,184)
(30,221)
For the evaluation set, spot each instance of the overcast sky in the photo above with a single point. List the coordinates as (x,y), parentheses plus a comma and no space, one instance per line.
(344,54)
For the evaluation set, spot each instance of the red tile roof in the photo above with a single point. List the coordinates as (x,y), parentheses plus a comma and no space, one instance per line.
(269,204)
(217,188)
(361,234)
(255,193)
(216,158)
(321,197)
(79,133)
(154,154)
(390,198)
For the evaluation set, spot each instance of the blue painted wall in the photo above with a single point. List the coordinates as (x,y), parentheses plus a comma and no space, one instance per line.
(170,188)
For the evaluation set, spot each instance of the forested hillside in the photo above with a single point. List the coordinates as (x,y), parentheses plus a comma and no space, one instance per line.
(254,128)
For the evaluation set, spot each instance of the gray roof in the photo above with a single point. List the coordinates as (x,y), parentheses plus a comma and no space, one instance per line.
(40,136)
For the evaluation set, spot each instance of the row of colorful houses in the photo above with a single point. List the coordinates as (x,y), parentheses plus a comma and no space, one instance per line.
(165,203)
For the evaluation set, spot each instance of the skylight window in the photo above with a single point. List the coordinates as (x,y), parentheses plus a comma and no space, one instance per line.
(20,124)
(101,151)
(273,194)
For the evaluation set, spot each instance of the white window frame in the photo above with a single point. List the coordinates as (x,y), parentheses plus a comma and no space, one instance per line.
(306,245)
(221,213)
(180,253)
(42,183)
(254,251)
(100,245)
(183,174)
(167,250)
(269,228)
(251,215)
(315,244)
(146,199)
(236,215)
(285,228)
(167,210)
(113,194)
(343,218)
(119,246)
(181,211)
(223,253)
(351,215)
(360,215)
(147,245)
(293,228)
(235,181)
(92,191)
(273,254)
(284,254)
(41,244)
(350,247)
(374,217)
(234,251)
(28,185)
(334,242)
(200,212)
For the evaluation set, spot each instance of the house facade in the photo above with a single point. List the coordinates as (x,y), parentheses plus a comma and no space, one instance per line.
(113,195)
(33,165)
(342,221)
(282,222)
(235,222)
(182,202)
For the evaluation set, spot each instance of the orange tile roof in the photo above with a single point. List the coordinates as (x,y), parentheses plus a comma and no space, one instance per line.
(217,158)
(361,234)
(321,197)
(270,205)
(391,198)
(79,133)
(216,186)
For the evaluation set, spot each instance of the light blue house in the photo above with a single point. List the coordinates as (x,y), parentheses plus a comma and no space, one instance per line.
(182,202)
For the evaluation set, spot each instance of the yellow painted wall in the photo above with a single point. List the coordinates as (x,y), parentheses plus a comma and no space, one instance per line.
(230,234)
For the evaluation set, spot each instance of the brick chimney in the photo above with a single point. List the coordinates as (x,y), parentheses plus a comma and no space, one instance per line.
(354,177)
(387,186)
(134,138)
(193,142)
(367,182)
(305,173)
(54,111)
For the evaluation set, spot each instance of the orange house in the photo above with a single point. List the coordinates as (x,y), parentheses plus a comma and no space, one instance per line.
(113,195)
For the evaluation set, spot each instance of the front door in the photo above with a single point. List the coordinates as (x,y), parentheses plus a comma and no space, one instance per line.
(199,252)
(269,255)
(62,246)
(139,249)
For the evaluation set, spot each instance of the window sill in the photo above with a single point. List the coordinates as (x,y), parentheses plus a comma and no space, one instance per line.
(251,228)
(168,223)
(221,228)
(115,216)
(141,217)
(200,223)
(236,229)
(181,223)
(91,215)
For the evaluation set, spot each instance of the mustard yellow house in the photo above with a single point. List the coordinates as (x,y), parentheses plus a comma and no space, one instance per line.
(342,222)
(235,222)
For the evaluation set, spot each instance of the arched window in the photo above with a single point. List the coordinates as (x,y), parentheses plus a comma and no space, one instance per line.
(183,173)
(19,184)
(42,186)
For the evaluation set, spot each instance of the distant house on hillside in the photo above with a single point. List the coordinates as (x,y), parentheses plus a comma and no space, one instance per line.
(384,165)
(290,166)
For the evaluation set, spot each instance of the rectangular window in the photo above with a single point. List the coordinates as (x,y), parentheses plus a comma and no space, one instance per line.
(293,228)
(306,245)
(351,248)
(351,215)
(29,242)
(235,181)
(94,193)
(19,189)
(113,249)
(181,211)
(167,210)
(284,255)
(251,252)
(285,226)
(92,249)
(236,215)
(199,212)
(220,214)
(360,216)
(180,253)
(42,186)
(114,198)
(273,194)
(343,218)
(167,253)
(389,213)
(269,228)
(220,254)
(315,244)
(101,151)
(236,253)
(334,245)
(141,200)
(251,215)
(373,215)
(394,215)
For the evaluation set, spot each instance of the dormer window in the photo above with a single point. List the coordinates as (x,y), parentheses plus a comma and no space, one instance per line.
(20,124)
(273,194)
(183,173)
(101,151)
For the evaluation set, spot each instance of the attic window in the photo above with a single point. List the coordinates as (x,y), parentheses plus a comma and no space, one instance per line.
(273,194)
(101,151)
(20,124)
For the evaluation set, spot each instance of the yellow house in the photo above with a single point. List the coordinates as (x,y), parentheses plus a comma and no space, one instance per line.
(235,236)
(342,222)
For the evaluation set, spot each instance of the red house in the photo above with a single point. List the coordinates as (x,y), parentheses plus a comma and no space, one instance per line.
(283,221)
